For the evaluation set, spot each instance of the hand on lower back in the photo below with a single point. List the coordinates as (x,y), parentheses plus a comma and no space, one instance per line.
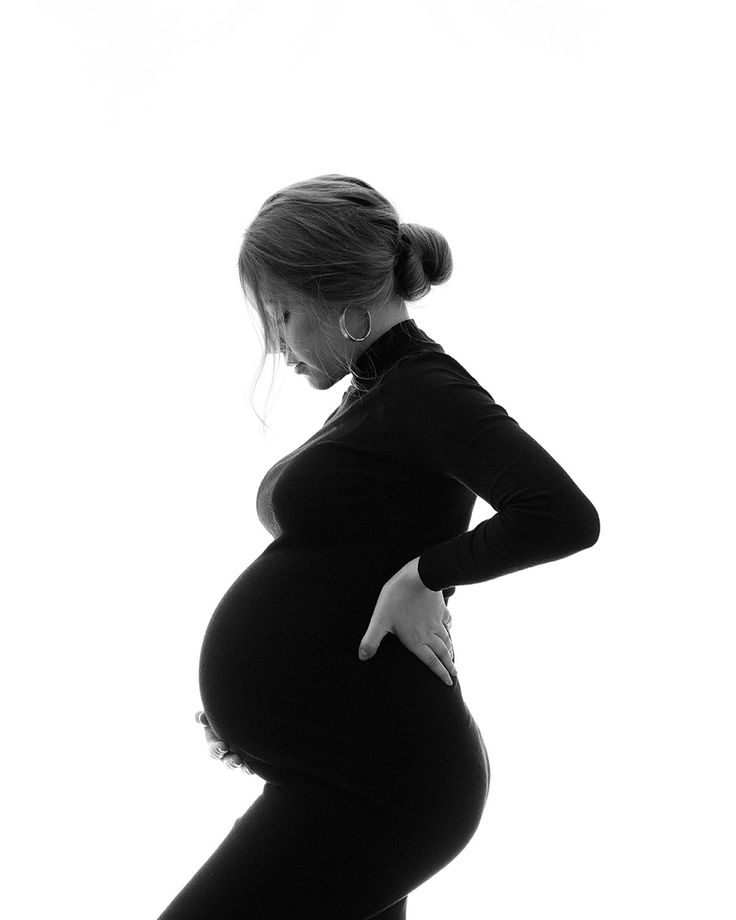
(418,617)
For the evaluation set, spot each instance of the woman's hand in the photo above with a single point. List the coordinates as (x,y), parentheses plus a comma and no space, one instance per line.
(218,748)
(418,617)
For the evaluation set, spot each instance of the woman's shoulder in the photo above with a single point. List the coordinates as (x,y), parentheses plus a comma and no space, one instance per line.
(427,370)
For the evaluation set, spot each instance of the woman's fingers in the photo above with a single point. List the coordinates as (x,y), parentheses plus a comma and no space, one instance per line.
(217,746)
(218,749)
(445,655)
(210,736)
(447,639)
(435,654)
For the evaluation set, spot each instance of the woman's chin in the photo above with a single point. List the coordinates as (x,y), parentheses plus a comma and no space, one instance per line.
(319,379)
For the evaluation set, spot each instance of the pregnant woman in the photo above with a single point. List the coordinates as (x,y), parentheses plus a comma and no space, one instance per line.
(328,669)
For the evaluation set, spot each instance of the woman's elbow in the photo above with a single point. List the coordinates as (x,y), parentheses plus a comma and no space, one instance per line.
(566,522)
(574,523)
(586,524)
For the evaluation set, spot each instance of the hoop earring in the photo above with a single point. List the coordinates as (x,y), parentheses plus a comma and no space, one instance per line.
(344,330)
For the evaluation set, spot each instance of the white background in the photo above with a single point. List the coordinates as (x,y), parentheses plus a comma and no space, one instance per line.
(578,157)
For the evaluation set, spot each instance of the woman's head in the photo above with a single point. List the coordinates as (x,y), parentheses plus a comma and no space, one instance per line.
(328,244)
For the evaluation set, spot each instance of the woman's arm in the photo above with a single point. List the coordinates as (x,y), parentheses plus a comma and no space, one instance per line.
(441,419)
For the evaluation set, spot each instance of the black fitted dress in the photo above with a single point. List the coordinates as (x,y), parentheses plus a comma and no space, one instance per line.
(376,774)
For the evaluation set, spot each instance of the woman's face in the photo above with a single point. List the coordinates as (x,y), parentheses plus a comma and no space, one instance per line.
(316,352)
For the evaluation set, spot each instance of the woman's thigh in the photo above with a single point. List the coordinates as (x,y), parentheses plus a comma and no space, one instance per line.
(291,857)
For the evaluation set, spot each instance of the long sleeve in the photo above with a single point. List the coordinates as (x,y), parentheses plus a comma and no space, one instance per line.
(443,421)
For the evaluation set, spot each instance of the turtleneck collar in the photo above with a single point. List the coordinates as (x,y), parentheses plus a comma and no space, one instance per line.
(401,339)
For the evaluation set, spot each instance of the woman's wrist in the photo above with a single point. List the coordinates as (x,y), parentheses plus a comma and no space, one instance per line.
(411,572)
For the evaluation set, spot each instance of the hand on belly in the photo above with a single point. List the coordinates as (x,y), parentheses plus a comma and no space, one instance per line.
(218,747)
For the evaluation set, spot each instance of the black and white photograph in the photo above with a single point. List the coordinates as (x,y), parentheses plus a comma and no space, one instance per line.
(367,413)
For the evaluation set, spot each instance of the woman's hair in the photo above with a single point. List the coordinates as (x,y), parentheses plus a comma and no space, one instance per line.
(328,242)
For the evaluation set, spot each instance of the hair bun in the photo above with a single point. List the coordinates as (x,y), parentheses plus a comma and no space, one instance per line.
(423,259)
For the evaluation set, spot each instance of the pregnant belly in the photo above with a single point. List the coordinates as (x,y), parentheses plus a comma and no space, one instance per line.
(282,684)
(279,660)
